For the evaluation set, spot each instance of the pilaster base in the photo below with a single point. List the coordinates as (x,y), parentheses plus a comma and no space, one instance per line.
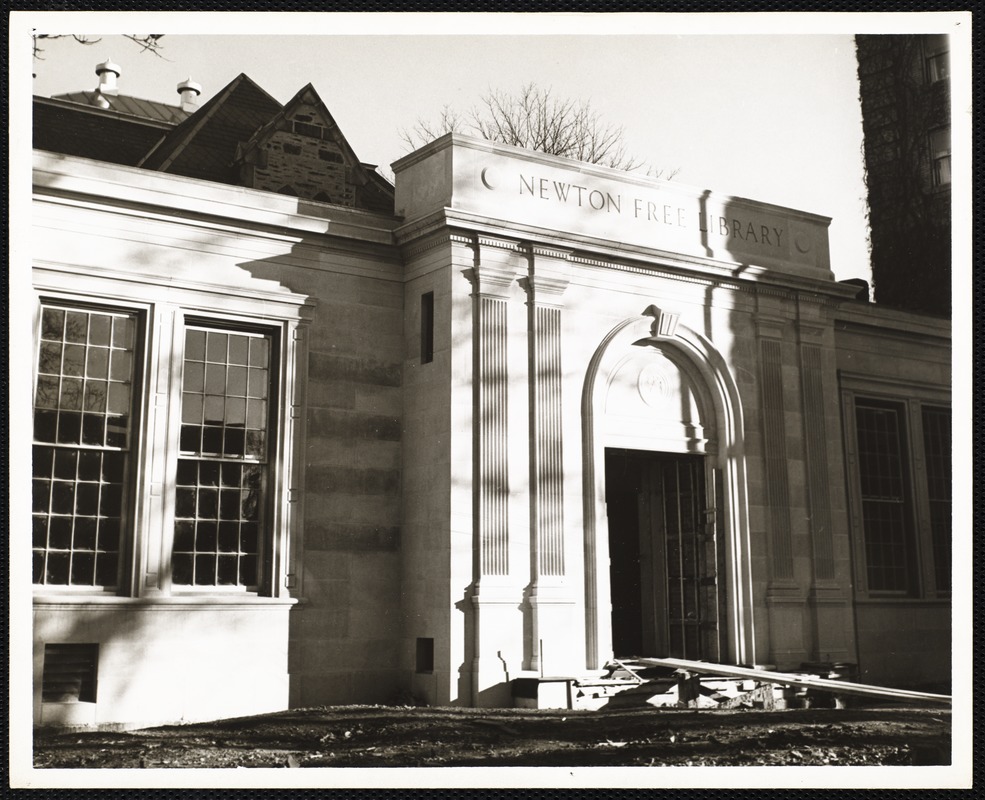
(498,643)
(555,648)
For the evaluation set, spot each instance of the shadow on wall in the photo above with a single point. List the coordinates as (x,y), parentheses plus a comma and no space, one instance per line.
(345,639)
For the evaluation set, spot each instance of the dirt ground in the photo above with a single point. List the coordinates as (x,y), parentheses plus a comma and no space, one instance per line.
(350,736)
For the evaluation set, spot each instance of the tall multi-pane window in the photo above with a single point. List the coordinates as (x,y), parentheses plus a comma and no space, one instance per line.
(937,56)
(87,452)
(940,155)
(900,461)
(223,464)
(937,453)
(83,422)
(885,499)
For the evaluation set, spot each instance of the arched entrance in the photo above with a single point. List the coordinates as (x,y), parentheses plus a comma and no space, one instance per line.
(667,568)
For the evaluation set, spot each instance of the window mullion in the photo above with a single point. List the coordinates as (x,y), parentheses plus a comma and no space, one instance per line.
(921,501)
(854,495)
(164,369)
(286,506)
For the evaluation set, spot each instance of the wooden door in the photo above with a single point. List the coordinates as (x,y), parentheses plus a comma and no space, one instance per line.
(665,558)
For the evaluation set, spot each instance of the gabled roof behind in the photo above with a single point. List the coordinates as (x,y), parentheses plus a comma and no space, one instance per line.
(67,127)
(217,142)
(138,107)
(204,145)
(308,96)
(306,115)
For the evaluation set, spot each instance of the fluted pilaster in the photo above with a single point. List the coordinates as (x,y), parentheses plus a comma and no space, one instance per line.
(815,440)
(491,286)
(777,478)
(546,456)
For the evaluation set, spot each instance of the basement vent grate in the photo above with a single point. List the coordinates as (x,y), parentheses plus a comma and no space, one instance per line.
(69,674)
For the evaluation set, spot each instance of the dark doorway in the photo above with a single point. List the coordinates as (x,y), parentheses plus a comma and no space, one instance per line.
(664,556)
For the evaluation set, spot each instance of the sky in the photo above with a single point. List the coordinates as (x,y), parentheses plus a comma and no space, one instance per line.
(731,104)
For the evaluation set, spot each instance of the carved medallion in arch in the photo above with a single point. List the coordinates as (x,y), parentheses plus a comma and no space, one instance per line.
(654,401)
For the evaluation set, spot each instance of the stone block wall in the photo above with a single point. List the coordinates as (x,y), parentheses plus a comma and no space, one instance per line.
(313,168)
(345,628)
(428,473)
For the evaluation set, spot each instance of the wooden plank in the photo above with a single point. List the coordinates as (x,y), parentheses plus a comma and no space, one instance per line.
(791,679)
(625,666)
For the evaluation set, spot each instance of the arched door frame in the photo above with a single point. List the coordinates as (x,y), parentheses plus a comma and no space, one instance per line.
(729,457)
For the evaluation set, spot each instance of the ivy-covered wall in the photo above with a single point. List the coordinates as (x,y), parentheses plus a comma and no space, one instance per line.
(905,100)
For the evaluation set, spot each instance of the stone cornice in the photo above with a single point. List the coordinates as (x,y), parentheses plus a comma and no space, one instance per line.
(863,317)
(892,386)
(60,277)
(431,242)
(140,192)
(610,254)
(577,250)
(661,270)
(498,242)
(561,253)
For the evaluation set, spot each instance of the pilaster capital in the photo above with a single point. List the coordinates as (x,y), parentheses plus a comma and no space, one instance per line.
(543,290)
(811,334)
(490,280)
(771,326)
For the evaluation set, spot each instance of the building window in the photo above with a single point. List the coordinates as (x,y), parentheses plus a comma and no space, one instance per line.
(885,500)
(940,155)
(222,468)
(937,56)
(427,327)
(204,462)
(425,655)
(937,452)
(900,482)
(308,129)
(83,424)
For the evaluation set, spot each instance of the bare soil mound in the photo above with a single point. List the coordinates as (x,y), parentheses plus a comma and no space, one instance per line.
(402,736)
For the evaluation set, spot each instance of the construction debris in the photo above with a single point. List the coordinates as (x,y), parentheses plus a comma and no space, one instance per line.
(680,683)
(809,682)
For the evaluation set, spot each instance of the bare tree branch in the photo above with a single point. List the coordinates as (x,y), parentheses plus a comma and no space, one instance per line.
(78,38)
(147,41)
(536,119)
(423,131)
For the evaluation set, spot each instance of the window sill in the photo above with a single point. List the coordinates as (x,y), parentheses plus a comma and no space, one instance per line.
(65,600)
(890,600)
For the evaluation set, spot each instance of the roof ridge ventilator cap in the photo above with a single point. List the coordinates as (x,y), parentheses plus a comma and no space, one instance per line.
(108,72)
(189,91)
